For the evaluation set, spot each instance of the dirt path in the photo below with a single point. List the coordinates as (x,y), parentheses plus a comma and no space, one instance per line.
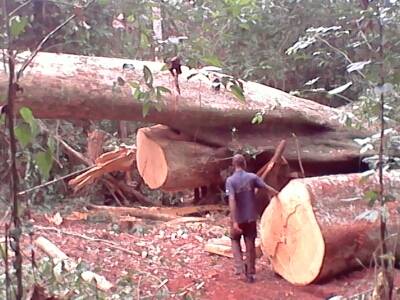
(175,252)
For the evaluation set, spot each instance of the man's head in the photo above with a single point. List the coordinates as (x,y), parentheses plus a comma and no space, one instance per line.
(238,161)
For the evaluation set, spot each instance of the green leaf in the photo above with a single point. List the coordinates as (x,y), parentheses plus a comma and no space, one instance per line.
(164,67)
(148,76)
(17,25)
(257,119)
(238,93)
(158,94)
(134,84)
(135,88)
(51,143)
(44,162)
(144,41)
(163,89)
(28,117)
(137,94)
(371,197)
(103,2)
(146,109)
(212,60)
(23,134)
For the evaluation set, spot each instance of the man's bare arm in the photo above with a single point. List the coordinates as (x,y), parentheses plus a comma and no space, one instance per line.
(262,185)
(232,208)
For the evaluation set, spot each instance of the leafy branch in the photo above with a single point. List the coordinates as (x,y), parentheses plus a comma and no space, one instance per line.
(149,95)
(218,79)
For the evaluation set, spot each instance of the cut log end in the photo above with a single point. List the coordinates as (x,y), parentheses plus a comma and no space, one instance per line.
(291,235)
(151,162)
(319,227)
(172,161)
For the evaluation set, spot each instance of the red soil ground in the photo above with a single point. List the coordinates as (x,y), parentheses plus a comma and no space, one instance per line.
(176,253)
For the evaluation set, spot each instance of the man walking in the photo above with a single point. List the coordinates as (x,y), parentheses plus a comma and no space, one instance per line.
(240,188)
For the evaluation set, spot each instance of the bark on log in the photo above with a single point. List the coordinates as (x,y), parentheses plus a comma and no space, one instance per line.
(80,87)
(159,213)
(169,161)
(319,227)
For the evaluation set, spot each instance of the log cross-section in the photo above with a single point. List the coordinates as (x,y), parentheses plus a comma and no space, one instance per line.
(170,161)
(319,227)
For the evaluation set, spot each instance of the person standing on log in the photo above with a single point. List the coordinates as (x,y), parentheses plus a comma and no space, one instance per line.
(240,188)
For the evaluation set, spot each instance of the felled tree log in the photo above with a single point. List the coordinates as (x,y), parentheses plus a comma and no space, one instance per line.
(171,162)
(159,213)
(80,87)
(319,227)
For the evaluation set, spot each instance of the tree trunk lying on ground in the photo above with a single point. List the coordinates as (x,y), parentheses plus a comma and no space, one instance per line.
(159,213)
(79,87)
(169,161)
(319,227)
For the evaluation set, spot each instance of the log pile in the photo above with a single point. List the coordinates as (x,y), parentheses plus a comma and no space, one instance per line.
(80,87)
(315,228)
(319,227)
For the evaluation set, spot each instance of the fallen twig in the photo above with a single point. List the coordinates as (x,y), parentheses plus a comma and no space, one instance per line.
(85,237)
(3,220)
(52,181)
(138,288)
(163,283)
(69,264)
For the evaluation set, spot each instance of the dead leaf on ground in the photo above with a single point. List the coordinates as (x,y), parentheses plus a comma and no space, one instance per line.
(77,216)
(56,219)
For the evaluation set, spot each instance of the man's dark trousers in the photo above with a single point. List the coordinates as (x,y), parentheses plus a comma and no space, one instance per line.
(249,232)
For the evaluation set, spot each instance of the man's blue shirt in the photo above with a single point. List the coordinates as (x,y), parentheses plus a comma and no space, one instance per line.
(242,186)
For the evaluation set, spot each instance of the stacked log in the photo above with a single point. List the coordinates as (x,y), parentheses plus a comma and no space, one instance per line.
(95,88)
(319,227)
(170,161)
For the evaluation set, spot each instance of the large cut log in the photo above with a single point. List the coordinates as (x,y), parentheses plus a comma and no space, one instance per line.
(80,87)
(319,227)
(170,161)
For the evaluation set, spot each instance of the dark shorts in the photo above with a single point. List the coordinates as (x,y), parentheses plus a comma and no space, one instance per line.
(249,231)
